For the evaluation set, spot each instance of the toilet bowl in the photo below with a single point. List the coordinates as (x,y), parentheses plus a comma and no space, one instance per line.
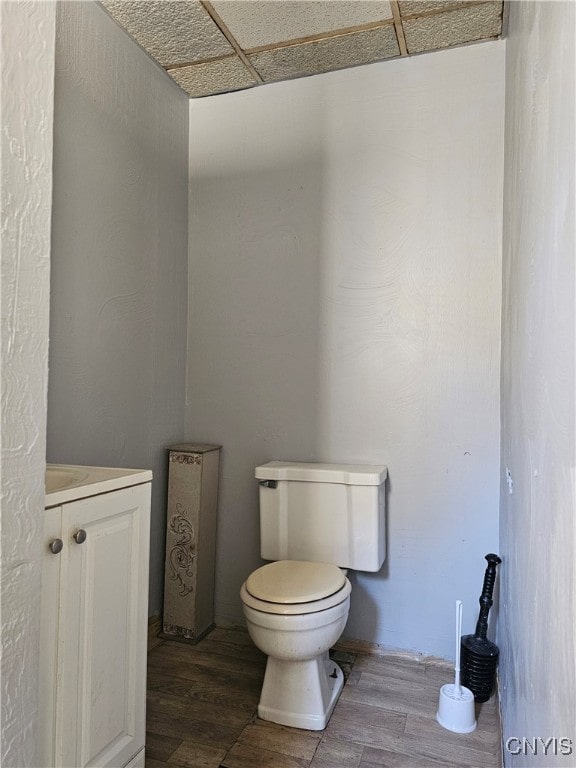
(315,520)
(295,611)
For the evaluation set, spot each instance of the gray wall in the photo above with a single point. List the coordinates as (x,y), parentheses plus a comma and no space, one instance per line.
(119,258)
(538,516)
(345,271)
(27,62)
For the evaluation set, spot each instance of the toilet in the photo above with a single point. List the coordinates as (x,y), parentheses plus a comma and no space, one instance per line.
(316,522)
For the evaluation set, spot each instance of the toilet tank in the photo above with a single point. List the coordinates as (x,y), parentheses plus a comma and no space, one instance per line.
(331,513)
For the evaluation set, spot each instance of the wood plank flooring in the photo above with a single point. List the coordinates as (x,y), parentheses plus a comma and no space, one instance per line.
(202,704)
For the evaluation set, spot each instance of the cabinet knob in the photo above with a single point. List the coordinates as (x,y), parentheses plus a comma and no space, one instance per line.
(80,536)
(56,546)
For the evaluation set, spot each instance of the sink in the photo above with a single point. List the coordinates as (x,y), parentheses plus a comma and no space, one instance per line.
(71,482)
(59,478)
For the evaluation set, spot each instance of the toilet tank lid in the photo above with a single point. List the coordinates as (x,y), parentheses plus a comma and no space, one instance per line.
(348,474)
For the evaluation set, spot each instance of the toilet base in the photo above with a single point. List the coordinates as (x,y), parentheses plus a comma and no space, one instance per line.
(300,694)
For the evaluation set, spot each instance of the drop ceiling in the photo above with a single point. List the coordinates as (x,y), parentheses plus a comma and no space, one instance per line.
(228,45)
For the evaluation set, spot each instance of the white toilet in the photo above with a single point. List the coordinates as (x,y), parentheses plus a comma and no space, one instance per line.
(315,519)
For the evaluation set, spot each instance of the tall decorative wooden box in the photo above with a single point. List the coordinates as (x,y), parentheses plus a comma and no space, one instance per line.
(190,541)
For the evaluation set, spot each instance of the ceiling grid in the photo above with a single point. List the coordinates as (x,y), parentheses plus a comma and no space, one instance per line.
(226,45)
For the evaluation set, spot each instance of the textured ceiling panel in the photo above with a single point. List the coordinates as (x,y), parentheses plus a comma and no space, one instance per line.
(326,55)
(256,23)
(213,77)
(442,30)
(171,32)
(419,7)
(217,46)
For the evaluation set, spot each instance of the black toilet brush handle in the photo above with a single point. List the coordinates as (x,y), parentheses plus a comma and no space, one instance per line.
(486,596)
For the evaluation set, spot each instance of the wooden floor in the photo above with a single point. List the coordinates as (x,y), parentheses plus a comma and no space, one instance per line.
(202,704)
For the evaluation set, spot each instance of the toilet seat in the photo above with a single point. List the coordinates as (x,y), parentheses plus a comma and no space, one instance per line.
(286,609)
(295,581)
(292,587)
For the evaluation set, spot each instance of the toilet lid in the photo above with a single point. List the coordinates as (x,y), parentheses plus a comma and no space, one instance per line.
(295,581)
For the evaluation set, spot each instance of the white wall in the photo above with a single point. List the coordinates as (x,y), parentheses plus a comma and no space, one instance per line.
(538,528)
(27,62)
(119,258)
(345,268)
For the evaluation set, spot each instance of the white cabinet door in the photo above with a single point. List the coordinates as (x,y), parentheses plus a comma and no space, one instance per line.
(103,628)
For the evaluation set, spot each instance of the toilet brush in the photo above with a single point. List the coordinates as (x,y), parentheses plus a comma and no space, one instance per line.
(480,655)
(456,704)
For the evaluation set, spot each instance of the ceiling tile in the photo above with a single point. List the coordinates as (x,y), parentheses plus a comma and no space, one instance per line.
(213,77)
(325,55)
(418,7)
(171,32)
(442,30)
(256,23)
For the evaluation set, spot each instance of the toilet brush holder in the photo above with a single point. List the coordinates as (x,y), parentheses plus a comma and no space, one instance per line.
(456,710)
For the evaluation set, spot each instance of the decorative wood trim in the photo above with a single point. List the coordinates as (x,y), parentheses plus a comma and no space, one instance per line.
(231,39)
(399,28)
(171,67)
(505,18)
(321,36)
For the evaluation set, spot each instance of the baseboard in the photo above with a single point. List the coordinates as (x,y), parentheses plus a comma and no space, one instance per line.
(350,645)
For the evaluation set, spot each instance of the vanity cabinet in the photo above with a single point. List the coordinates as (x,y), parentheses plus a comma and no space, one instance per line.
(94,630)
